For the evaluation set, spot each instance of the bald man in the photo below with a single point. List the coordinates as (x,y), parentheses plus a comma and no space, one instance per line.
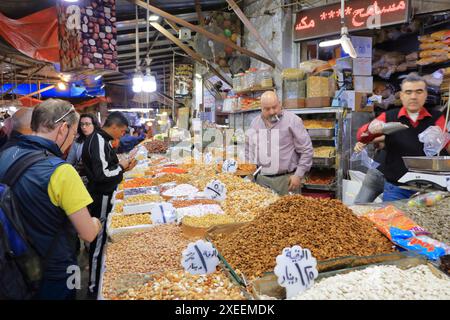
(278,142)
(20,125)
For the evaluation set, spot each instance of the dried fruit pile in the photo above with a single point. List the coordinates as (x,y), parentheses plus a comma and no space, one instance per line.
(326,227)
(122,221)
(156,146)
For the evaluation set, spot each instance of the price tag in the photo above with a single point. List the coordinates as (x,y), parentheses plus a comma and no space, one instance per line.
(200,257)
(296,270)
(163,213)
(216,190)
(208,158)
(229,166)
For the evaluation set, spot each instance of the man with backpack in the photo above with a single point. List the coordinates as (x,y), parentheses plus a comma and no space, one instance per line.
(43,205)
(104,172)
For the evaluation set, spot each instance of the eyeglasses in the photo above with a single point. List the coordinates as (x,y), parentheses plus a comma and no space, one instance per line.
(72,109)
(85,124)
(410,92)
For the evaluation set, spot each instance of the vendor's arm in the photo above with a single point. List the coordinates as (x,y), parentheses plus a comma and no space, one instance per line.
(364,135)
(303,146)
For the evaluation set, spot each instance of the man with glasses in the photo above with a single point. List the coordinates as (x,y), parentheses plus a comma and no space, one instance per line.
(53,199)
(104,172)
(405,142)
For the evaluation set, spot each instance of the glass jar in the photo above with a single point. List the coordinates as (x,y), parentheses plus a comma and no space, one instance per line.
(266,78)
(250,79)
(243,82)
(237,82)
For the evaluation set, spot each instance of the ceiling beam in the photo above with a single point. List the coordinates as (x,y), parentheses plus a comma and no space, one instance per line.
(198,9)
(131,24)
(142,45)
(133,54)
(254,32)
(188,50)
(201,30)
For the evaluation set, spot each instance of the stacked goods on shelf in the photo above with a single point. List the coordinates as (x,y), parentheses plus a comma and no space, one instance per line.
(324,152)
(318,124)
(326,227)
(434,48)
(248,103)
(387,63)
(253,80)
(294,88)
(320,177)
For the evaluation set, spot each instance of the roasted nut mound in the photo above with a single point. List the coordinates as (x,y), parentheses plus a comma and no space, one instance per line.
(188,203)
(147,251)
(181,285)
(326,227)
(156,146)
(170,177)
(207,221)
(122,221)
(143,198)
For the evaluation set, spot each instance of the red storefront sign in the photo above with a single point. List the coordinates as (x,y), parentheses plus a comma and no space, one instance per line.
(359,15)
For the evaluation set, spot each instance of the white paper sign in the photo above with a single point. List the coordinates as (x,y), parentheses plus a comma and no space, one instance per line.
(163,213)
(296,270)
(229,166)
(216,190)
(208,158)
(200,257)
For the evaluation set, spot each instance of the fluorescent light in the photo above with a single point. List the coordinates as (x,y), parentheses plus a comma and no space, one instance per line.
(330,43)
(71,1)
(348,46)
(102,86)
(98,77)
(62,86)
(153,18)
(198,75)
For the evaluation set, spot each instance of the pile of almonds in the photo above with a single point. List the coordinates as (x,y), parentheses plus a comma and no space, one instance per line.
(325,226)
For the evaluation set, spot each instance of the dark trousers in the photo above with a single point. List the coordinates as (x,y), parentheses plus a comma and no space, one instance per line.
(55,290)
(100,209)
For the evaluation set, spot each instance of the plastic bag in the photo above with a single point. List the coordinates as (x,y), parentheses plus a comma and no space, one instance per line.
(434,140)
(422,245)
(428,199)
(388,217)
(365,160)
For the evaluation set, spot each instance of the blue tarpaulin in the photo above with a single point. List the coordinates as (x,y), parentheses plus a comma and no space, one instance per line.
(72,91)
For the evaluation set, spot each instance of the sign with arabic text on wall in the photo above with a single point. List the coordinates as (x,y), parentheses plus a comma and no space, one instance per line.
(359,15)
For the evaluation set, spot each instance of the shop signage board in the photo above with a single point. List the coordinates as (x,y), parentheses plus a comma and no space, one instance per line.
(200,257)
(87,36)
(184,75)
(359,15)
(296,270)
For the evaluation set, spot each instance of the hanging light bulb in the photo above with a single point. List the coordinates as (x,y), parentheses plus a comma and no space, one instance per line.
(149,84)
(138,81)
(347,46)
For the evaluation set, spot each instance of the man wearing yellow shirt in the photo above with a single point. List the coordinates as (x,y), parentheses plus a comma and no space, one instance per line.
(53,200)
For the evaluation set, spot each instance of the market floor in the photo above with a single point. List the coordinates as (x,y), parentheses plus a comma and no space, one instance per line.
(83,262)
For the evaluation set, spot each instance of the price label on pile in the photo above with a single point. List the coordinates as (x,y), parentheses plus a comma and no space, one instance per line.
(208,158)
(200,257)
(229,166)
(216,190)
(296,270)
(163,213)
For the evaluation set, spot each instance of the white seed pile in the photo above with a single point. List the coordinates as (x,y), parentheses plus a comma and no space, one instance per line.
(381,283)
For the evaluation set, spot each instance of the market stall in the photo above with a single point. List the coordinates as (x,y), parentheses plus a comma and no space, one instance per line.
(163,206)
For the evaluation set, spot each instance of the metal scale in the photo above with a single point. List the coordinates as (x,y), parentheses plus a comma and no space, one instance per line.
(429,173)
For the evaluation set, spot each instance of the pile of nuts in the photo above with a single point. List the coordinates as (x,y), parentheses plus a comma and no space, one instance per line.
(170,177)
(122,221)
(138,183)
(326,227)
(381,283)
(244,205)
(181,285)
(435,219)
(118,208)
(156,146)
(143,198)
(189,203)
(156,249)
(207,221)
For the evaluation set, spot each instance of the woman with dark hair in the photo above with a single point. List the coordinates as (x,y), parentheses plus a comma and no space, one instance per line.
(88,125)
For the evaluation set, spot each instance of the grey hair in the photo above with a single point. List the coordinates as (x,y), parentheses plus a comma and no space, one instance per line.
(47,112)
(413,77)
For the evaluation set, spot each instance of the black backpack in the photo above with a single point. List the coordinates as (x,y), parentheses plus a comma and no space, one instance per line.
(21,267)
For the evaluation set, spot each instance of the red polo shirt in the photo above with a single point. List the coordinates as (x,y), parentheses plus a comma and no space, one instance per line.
(365,136)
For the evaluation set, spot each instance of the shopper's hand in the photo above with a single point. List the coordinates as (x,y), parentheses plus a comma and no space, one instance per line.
(359,146)
(295,182)
(125,163)
(98,224)
(376,127)
(131,165)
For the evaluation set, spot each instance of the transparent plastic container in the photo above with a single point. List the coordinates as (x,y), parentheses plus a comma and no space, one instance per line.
(250,79)
(266,80)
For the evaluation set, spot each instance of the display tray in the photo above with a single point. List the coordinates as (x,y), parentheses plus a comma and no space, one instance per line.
(322,266)
(435,164)
(324,161)
(320,133)
(327,187)
(114,234)
(267,286)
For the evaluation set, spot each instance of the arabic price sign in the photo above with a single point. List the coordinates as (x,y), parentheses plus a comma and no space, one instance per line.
(216,190)
(200,257)
(229,166)
(163,213)
(208,158)
(296,270)
(358,14)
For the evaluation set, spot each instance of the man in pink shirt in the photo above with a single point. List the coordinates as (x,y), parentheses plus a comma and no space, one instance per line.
(278,142)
